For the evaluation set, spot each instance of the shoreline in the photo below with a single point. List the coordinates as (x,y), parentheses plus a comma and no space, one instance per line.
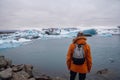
(9,71)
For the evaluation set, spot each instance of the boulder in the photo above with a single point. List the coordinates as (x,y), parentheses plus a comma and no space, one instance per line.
(103,71)
(111,60)
(20,72)
(42,77)
(58,78)
(31,79)
(9,62)
(2,57)
(28,68)
(6,74)
(16,68)
(21,75)
(3,62)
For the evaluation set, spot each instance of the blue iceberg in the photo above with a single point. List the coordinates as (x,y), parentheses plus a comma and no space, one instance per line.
(9,45)
(90,32)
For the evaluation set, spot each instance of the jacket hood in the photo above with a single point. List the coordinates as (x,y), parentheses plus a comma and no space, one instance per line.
(80,40)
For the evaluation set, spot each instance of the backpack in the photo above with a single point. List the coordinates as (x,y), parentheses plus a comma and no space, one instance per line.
(78,55)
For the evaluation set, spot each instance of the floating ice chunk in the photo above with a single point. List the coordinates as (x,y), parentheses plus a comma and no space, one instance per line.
(63,32)
(9,45)
(90,31)
(1,41)
(111,60)
(23,40)
(105,35)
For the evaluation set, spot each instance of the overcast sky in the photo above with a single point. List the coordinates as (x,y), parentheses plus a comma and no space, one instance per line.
(53,13)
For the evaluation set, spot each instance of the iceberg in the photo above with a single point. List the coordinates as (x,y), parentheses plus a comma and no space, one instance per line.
(69,32)
(52,31)
(8,44)
(12,43)
(63,32)
(23,40)
(20,37)
(90,32)
(27,34)
(111,30)
(105,35)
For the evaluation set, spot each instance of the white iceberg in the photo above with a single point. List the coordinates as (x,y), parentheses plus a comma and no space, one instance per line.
(20,37)
(9,44)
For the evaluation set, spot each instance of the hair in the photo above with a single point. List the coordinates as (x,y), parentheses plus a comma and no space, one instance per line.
(80,34)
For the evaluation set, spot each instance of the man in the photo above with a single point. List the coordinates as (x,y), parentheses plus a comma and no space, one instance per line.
(84,68)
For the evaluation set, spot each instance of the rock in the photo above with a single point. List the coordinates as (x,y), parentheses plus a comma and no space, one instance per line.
(58,78)
(1,69)
(42,77)
(97,77)
(9,62)
(21,75)
(103,71)
(3,62)
(6,74)
(28,69)
(20,72)
(16,68)
(2,57)
(111,60)
(31,79)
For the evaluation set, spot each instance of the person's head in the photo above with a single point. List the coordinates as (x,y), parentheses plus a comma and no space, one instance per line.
(80,34)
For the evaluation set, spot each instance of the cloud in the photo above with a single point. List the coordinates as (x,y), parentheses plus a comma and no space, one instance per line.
(40,13)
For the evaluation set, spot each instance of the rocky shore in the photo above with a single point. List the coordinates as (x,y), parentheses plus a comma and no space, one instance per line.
(8,71)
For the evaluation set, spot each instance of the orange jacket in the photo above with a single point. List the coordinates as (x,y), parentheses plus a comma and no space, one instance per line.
(86,67)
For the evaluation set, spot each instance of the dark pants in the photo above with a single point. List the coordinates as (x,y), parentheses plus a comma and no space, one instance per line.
(73,75)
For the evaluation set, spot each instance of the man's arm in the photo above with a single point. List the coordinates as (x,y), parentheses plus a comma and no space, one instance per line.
(69,56)
(89,58)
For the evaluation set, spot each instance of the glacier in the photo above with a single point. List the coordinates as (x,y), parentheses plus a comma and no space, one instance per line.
(21,37)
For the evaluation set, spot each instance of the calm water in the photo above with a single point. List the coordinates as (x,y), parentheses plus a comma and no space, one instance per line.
(48,56)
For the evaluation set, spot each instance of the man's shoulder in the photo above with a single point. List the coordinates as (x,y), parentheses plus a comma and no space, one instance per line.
(72,45)
(87,46)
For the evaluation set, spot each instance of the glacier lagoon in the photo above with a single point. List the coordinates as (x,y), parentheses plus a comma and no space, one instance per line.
(19,37)
(48,56)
